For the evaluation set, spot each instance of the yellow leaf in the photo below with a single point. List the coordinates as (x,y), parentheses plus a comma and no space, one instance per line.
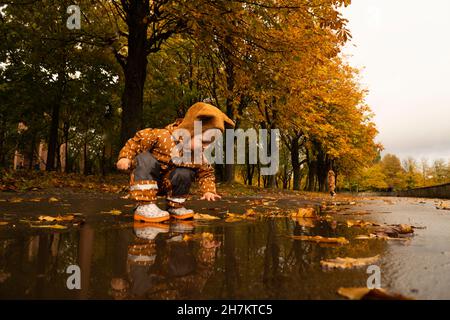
(319,239)
(53,199)
(231,219)
(348,263)
(3,223)
(374,236)
(52,226)
(202,216)
(15,200)
(360,223)
(114,212)
(58,218)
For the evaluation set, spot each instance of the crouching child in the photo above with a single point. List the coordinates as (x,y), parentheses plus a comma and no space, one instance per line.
(150,153)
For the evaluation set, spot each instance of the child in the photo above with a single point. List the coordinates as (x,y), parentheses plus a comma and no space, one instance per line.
(151,149)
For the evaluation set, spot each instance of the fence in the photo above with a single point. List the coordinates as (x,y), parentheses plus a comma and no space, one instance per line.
(441,191)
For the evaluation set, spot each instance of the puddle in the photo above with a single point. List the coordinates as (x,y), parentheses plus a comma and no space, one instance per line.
(186,260)
(248,259)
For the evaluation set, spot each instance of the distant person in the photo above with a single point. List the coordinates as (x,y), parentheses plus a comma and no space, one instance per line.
(332,183)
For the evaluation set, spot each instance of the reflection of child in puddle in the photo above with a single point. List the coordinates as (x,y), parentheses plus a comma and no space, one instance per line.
(165,266)
(141,255)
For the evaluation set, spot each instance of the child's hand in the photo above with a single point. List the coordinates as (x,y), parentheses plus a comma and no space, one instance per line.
(123,164)
(209,196)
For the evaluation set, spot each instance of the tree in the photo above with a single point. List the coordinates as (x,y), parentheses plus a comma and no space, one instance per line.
(393,171)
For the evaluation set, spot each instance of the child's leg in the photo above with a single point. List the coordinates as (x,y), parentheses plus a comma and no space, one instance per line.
(143,185)
(144,188)
(180,180)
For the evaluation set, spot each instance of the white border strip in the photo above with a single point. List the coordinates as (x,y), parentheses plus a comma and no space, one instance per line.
(143,187)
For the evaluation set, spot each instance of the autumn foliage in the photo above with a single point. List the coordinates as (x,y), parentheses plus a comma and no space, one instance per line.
(141,63)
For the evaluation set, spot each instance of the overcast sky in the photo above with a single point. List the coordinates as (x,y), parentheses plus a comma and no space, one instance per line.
(404,47)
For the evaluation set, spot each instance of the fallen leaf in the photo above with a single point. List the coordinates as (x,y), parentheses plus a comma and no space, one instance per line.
(3,223)
(380,237)
(202,216)
(369,294)
(113,212)
(360,223)
(53,199)
(394,231)
(36,199)
(195,236)
(15,200)
(51,226)
(442,206)
(58,218)
(233,219)
(347,263)
(319,239)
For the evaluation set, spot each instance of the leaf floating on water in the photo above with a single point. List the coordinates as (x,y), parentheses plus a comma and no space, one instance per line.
(233,217)
(15,200)
(360,223)
(202,216)
(50,226)
(394,231)
(3,223)
(36,199)
(369,294)
(380,237)
(53,199)
(197,236)
(319,239)
(58,218)
(113,212)
(348,263)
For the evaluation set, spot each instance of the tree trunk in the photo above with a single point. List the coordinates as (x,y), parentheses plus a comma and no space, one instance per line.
(53,138)
(66,147)
(312,169)
(229,167)
(295,159)
(135,70)
(2,144)
(85,161)
(230,77)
